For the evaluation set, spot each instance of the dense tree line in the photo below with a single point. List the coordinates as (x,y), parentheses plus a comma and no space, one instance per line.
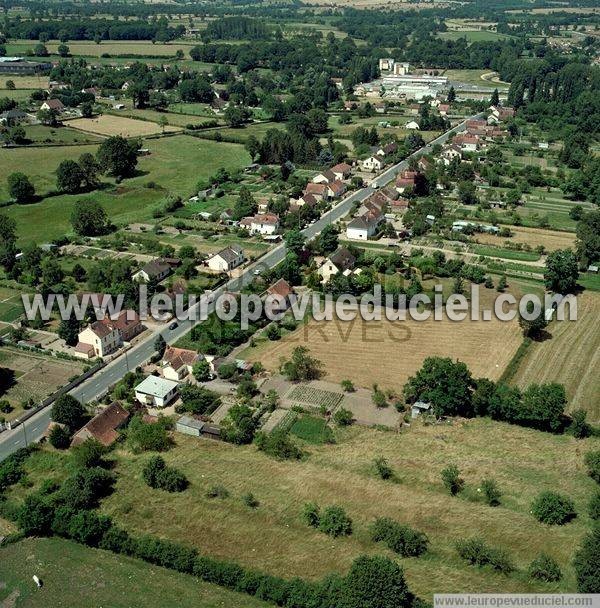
(93,29)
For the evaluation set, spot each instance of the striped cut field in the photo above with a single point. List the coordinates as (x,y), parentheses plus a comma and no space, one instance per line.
(571,356)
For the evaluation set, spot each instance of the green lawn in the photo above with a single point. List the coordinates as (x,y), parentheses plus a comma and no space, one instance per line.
(74,575)
(310,428)
(175,163)
(508,254)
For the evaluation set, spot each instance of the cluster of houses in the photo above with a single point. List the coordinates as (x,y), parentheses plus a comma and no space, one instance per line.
(379,157)
(327,185)
(371,214)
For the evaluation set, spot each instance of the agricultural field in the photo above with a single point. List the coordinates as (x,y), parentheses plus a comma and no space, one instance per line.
(534,237)
(11,307)
(354,349)
(345,131)
(22,82)
(314,397)
(74,575)
(111,47)
(108,124)
(36,375)
(64,135)
(571,356)
(274,538)
(175,164)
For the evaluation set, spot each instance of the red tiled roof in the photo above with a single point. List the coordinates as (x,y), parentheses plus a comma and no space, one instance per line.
(103,427)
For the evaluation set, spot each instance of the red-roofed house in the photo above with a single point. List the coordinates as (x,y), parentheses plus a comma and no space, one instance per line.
(103,427)
(177,363)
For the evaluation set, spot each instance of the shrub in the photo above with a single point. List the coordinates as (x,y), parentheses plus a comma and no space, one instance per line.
(452,480)
(250,500)
(587,563)
(89,454)
(145,437)
(553,508)
(335,522)
(592,461)
(34,517)
(491,492)
(310,514)
(159,476)
(217,491)
(401,539)
(279,445)
(594,506)
(544,568)
(373,582)
(59,437)
(477,553)
(579,428)
(67,410)
(343,417)
(347,386)
(382,468)
(85,488)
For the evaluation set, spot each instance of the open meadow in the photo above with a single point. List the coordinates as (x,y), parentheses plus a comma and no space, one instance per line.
(74,575)
(571,356)
(175,164)
(274,538)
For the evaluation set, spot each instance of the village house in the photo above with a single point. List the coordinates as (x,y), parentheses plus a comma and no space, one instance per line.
(153,271)
(284,293)
(467,143)
(53,104)
(127,323)
(156,391)
(325,177)
(449,153)
(97,340)
(500,114)
(373,163)
(11,118)
(336,189)
(265,223)
(177,363)
(339,261)
(341,171)
(306,199)
(406,180)
(390,148)
(227,259)
(363,227)
(103,427)
(444,109)
(319,191)
(412,125)
(424,164)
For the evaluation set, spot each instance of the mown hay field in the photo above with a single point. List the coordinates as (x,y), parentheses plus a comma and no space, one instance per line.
(108,124)
(274,538)
(550,239)
(571,356)
(389,352)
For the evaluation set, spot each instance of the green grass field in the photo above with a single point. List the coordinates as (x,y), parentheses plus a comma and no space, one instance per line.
(175,163)
(274,538)
(508,254)
(74,575)
(310,429)
(474,35)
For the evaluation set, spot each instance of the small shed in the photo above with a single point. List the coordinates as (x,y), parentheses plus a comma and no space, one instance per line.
(189,426)
(593,268)
(420,407)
